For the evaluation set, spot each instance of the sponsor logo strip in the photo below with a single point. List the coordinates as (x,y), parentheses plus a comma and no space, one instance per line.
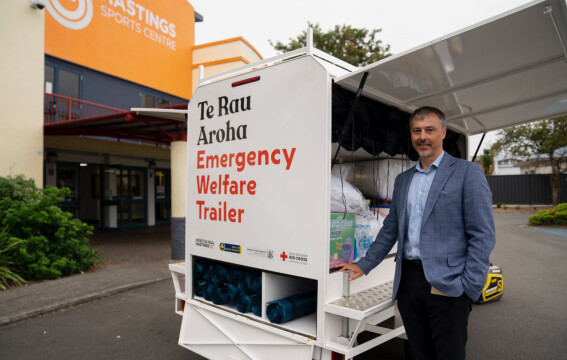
(205,243)
(230,248)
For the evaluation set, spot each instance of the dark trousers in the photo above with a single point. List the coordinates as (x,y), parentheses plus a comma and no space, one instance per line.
(436,325)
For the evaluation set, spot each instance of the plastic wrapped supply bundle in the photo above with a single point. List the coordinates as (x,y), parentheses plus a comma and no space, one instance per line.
(292,307)
(377,183)
(353,199)
(362,236)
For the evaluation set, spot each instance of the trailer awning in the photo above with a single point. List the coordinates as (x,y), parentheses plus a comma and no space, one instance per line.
(505,71)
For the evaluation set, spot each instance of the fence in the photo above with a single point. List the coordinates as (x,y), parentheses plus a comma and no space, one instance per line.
(58,108)
(524,189)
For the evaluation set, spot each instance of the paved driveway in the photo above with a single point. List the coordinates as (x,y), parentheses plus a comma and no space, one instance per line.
(530,322)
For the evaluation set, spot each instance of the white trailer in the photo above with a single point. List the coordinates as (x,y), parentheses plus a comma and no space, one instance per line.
(261,143)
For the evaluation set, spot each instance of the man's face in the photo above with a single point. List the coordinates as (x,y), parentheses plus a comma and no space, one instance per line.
(427,136)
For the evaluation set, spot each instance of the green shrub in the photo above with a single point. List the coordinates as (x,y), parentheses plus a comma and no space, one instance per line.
(556,216)
(7,275)
(53,243)
(498,205)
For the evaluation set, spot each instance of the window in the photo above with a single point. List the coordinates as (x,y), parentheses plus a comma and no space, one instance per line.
(68,84)
(62,81)
(147,101)
(162,102)
(150,101)
(49,79)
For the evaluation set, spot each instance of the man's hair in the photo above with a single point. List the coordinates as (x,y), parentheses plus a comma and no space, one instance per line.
(424,111)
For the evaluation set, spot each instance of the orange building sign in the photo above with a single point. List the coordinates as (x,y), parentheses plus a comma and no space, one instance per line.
(143,41)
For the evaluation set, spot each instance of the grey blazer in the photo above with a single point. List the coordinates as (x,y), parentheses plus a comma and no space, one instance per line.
(457,231)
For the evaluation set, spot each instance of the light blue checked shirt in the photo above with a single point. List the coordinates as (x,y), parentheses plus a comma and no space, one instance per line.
(417,197)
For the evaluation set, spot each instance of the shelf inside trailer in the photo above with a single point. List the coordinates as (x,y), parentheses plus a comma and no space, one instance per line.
(271,288)
(305,325)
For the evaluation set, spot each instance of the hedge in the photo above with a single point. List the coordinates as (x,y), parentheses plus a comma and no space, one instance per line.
(44,241)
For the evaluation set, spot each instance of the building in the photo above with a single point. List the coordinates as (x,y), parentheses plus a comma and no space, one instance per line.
(539,164)
(506,165)
(78,81)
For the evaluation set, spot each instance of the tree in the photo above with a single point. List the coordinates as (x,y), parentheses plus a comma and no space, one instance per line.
(546,139)
(358,47)
(487,161)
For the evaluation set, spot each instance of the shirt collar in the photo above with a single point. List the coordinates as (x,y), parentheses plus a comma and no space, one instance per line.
(435,163)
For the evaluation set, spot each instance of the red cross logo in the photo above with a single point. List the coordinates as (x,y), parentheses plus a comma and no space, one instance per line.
(283,256)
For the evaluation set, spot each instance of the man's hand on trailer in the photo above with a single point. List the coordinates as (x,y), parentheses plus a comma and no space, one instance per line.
(353,268)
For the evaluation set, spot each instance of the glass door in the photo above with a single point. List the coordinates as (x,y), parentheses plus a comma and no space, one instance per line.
(163,195)
(134,205)
(111,190)
(125,197)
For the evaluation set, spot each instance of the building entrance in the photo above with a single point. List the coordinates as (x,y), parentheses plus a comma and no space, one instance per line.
(124,200)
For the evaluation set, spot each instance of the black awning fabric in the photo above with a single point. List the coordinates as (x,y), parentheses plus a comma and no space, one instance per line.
(378,128)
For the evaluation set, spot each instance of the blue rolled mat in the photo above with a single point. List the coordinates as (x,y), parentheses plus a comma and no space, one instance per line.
(250,281)
(198,287)
(244,282)
(245,301)
(233,275)
(198,267)
(226,294)
(208,290)
(218,274)
(202,270)
(256,283)
(256,306)
(292,307)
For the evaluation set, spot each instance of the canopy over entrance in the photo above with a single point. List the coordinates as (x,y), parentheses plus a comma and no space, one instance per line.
(66,116)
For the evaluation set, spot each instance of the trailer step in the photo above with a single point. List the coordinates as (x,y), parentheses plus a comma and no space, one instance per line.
(178,271)
(363,304)
(178,267)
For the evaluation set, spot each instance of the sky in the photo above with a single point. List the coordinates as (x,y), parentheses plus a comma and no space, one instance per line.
(405,24)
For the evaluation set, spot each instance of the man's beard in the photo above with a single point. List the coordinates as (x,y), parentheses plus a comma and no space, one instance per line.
(426,152)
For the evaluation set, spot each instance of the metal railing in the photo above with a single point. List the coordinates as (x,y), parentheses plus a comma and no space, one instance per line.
(59,108)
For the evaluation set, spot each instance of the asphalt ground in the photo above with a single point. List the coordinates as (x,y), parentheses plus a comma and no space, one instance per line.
(529,322)
(129,259)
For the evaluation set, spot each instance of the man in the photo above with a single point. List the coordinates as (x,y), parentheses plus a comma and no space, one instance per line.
(441,216)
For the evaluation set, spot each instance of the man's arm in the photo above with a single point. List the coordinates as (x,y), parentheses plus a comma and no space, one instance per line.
(479,229)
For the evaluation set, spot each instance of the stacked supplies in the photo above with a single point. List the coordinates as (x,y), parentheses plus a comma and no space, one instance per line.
(347,198)
(225,284)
